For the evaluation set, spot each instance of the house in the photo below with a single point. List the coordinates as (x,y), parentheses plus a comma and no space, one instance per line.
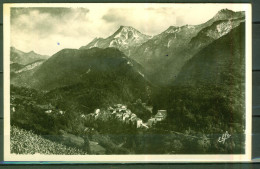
(96,114)
(163,112)
(139,123)
(151,121)
(113,112)
(12,106)
(48,108)
(128,111)
(133,117)
(82,116)
(48,111)
(161,115)
(97,111)
(125,116)
(119,116)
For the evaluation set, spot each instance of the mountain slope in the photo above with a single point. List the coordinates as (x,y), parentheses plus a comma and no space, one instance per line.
(15,67)
(221,62)
(209,92)
(21,75)
(216,30)
(164,55)
(211,89)
(89,78)
(17,56)
(71,65)
(125,38)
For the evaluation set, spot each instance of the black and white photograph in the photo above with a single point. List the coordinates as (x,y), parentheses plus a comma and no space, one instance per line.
(126,82)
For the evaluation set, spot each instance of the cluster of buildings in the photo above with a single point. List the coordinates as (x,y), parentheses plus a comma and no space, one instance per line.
(125,115)
(118,111)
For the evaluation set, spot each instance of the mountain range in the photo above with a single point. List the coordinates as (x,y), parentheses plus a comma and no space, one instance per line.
(163,55)
(131,62)
(23,58)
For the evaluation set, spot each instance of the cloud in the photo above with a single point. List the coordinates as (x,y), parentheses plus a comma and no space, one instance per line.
(36,27)
(147,20)
(113,16)
(162,10)
(44,21)
(53,12)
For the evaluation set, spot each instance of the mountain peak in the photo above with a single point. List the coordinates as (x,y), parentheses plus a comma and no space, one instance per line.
(128,32)
(124,38)
(224,14)
(122,26)
(172,29)
(226,11)
(31,52)
(128,27)
(125,29)
(15,50)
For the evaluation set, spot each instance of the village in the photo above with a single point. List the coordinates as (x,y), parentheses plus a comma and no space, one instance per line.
(119,111)
(122,113)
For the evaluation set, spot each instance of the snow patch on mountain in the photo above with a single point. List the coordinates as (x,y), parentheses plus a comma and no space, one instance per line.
(222,29)
(128,36)
(169,42)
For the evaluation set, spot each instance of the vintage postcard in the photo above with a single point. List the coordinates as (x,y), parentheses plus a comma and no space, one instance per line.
(125,82)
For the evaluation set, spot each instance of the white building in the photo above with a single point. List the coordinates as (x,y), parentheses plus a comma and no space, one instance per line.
(139,123)
(161,115)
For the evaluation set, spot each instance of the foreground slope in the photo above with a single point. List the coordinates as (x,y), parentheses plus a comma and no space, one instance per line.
(20,139)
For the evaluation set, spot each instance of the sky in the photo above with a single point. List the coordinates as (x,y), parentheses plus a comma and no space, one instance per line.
(47,29)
